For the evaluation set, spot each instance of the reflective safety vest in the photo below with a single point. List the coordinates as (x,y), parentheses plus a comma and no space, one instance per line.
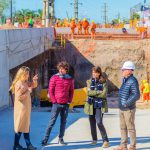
(146,88)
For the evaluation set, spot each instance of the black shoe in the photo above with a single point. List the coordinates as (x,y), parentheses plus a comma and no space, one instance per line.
(18,147)
(44,142)
(61,141)
(31,147)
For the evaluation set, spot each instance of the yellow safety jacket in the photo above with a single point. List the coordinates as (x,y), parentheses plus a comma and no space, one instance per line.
(146,88)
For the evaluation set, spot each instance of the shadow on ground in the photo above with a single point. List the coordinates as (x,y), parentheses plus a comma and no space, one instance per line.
(86,144)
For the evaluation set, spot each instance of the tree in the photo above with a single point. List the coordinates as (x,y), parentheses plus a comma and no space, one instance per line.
(40,12)
(115,21)
(135,16)
(4,4)
(125,21)
(20,15)
(27,13)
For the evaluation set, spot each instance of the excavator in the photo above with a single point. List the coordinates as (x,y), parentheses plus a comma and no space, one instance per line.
(79,98)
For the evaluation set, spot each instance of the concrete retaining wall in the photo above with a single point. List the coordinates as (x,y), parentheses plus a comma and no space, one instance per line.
(18,46)
(110,55)
(67,30)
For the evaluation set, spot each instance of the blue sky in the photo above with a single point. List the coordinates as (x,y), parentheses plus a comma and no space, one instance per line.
(90,8)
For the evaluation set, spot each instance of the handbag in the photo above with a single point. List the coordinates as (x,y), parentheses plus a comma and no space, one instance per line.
(88,108)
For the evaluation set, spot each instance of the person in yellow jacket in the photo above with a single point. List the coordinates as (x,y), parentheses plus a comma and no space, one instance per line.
(22,88)
(66,22)
(142,85)
(146,90)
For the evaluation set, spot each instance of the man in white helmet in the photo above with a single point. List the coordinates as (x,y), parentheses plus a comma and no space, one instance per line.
(128,95)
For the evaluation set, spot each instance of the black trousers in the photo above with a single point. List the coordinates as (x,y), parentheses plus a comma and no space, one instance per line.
(97,118)
(56,110)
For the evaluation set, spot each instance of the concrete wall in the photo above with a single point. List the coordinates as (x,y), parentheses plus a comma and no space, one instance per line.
(82,54)
(18,46)
(4,71)
(67,30)
(28,43)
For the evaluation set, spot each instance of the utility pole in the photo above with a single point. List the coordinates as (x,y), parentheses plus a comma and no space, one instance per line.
(52,10)
(46,11)
(118,16)
(11,10)
(76,9)
(104,12)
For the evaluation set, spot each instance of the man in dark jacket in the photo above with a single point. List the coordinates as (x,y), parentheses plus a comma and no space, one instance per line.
(128,95)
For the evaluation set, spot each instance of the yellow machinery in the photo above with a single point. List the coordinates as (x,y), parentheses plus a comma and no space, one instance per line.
(79,98)
(44,95)
(133,23)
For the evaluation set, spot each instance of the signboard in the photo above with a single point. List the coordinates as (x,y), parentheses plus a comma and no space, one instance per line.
(146,13)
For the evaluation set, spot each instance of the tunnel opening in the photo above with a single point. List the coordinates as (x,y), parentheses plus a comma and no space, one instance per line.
(82,55)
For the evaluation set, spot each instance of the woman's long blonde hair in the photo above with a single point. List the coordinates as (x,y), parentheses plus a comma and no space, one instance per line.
(20,73)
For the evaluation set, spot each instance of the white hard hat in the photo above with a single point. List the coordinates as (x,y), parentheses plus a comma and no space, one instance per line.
(128,65)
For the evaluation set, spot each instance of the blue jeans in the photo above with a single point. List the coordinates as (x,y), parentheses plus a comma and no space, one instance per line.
(56,110)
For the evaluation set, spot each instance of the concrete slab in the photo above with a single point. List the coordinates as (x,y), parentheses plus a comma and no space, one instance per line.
(78,132)
(78,135)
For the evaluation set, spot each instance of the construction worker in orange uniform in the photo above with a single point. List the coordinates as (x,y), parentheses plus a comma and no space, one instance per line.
(93,30)
(66,22)
(79,27)
(145,89)
(25,23)
(73,26)
(85,25)
(143,32)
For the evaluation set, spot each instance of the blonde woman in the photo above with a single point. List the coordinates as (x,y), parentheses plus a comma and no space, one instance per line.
(22,88)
